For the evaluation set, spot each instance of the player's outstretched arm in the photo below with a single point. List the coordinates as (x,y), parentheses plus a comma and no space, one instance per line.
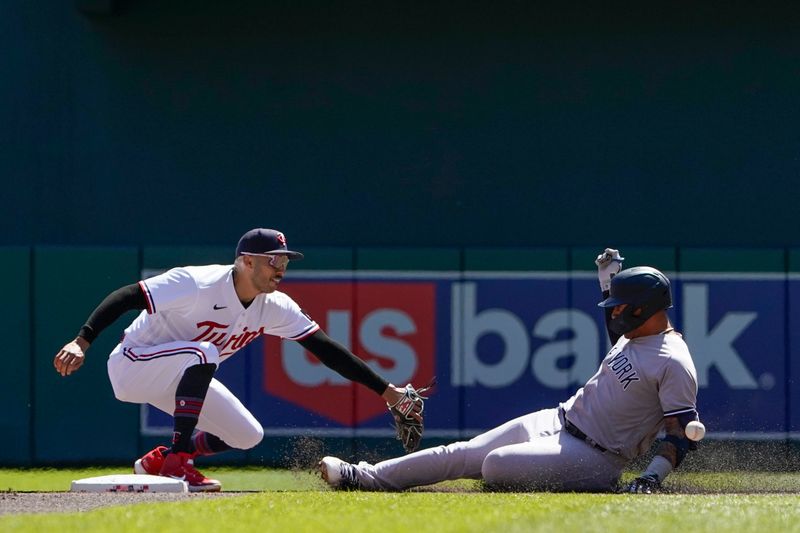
(347,364)
(72,356)
(344,362)
(406,405)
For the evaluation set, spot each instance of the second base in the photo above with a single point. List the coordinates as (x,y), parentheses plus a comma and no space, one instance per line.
(129,483)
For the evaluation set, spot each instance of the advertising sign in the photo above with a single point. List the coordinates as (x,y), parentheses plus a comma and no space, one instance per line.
(504,344)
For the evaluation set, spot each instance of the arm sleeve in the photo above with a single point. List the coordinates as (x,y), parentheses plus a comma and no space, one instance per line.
(613,337)
(111,308)
(338,358)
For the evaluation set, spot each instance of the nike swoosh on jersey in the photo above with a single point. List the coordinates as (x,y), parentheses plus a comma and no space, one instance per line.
(218,307)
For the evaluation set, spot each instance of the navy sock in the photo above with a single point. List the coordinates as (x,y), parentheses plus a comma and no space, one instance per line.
(189,398)
(208,444)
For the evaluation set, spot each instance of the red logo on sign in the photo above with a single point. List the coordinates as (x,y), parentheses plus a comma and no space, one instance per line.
(390,325)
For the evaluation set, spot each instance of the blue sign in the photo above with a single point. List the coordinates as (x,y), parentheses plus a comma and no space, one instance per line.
(505,344)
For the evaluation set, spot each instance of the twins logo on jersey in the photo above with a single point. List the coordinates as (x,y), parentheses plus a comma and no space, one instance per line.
(215,333)
(621,366)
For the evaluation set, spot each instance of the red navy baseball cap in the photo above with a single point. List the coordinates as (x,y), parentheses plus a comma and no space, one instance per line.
(261,241)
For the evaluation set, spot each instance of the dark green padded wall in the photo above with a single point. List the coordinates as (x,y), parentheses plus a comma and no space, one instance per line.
(732,260)
(166,257)
(15,381)
(516,259)
(391,123)
(77,417)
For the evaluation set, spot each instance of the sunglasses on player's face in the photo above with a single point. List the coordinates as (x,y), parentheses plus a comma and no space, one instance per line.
(278,262)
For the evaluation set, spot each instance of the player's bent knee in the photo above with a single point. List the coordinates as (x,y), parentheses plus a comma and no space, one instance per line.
(122,395)
(211,353)
(256,436)
(492,467)
(127,394)
(500,469)
(248,439)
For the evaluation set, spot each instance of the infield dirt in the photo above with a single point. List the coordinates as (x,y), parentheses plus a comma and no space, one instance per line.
(71,502)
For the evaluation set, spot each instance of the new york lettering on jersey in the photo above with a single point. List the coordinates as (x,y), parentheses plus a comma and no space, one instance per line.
(622,367)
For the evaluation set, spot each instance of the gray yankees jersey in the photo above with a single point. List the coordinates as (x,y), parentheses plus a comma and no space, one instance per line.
(639,382)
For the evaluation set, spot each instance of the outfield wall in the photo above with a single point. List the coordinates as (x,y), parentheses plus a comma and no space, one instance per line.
(505,331)
(433,123)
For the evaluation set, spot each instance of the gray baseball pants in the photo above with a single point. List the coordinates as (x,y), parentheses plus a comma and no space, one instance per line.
(528,453)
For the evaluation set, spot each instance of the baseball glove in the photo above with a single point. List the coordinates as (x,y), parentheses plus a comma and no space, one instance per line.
(409,429)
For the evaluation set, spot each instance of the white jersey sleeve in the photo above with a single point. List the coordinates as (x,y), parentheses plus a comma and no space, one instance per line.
(174,290)
(286,318)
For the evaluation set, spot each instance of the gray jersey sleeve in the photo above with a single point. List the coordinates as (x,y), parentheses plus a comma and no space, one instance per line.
(678,386)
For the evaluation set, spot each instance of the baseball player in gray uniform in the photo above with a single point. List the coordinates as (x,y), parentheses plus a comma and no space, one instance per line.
(192,319)
(647,383)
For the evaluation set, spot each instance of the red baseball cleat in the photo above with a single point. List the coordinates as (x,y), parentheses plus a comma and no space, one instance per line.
(181,466)
(151,462)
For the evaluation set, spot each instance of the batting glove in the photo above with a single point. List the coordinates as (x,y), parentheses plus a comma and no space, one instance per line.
(609,263)
(647,484)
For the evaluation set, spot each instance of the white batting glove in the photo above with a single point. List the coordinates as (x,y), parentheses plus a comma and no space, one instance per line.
(609,263)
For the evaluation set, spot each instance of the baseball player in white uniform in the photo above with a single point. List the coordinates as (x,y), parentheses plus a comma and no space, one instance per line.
(646,383)
(192,319)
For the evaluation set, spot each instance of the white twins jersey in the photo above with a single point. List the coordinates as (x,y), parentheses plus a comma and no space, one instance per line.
(199,304)
(640,381)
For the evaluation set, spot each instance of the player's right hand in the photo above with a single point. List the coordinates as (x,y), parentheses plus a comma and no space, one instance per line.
(70,358)
(609,263)
(647,484)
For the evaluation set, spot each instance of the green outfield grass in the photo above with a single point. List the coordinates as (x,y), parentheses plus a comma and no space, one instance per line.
(298,501)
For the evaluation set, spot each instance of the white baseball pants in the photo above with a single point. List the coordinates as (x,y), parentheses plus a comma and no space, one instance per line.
(151,375)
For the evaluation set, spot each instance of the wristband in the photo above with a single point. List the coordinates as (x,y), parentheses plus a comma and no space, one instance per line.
(659,467)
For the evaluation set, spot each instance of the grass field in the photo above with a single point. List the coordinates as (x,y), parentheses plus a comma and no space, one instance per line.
(298,501)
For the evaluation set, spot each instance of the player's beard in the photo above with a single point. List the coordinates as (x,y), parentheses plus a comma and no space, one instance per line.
(274,282)
(271,283)
(266,284)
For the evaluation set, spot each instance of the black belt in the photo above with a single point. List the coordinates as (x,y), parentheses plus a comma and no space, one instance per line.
(573,430)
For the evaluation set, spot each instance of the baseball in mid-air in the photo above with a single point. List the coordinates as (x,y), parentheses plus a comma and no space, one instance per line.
(695,430)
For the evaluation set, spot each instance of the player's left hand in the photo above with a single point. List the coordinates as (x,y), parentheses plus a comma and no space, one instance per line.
(648,484)
(609,263)
(394,395)
(407,412)
(70,358)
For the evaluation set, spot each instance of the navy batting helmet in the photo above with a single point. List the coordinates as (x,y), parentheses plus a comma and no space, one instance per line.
(642,288)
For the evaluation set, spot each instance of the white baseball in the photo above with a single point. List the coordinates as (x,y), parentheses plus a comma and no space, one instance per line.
(695,430)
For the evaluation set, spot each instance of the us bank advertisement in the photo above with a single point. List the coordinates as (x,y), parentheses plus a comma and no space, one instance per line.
(503,344)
